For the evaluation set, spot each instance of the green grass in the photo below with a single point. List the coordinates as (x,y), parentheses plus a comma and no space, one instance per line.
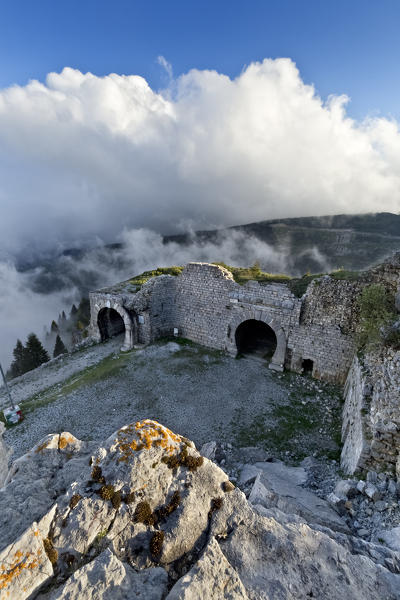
(141,279)
(294,427)
(111,366)
(189,359)
(344,274)
(297,285)
(244,274)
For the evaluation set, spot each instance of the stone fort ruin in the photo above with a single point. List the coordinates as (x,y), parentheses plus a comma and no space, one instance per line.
(314,333)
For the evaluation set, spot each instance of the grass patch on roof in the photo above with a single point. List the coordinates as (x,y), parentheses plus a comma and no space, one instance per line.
(243,274)
(141,279)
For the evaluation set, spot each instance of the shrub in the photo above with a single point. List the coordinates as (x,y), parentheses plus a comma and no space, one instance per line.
(376,314)
(156,543)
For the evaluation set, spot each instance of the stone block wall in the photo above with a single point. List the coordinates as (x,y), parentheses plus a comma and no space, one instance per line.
(201,300)
(325,331)
(331,302)
(330,351)
(371,414)
(210,305)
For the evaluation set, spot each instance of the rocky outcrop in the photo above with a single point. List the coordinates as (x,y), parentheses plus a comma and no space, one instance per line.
(146,516)
(371,415)
(279,486)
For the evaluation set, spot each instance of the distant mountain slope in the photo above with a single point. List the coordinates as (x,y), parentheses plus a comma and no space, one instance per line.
(307,244)
(349,241)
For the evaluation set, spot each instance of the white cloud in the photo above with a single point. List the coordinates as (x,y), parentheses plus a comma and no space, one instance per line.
(165,65)
(82,155)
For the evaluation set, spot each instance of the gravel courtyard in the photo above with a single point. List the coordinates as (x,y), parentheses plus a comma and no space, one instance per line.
(202,394)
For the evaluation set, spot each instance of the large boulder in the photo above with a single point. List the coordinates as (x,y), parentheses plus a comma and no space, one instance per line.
(147,514)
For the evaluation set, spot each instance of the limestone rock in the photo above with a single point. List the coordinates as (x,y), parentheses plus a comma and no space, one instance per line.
(149,509)
(24,565)
(292,560)
(391,537)
(280,486)
(208,450)
(107,577)
(337,503)
(372,492)
(361,485)
(36,479)
(211,577)
(346,488)
(248,474)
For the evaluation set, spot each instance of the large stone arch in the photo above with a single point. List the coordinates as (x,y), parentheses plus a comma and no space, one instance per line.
(278,359)
(129,322)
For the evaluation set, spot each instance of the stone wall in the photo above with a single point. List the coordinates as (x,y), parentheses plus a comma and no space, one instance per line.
(330,351)
(371,414)
(325,332)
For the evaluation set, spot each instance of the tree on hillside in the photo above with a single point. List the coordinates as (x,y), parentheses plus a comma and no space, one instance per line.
(73,312)
(35,353)
(59,347)
(62,320)
(54,327)
(18,365)
(83,313)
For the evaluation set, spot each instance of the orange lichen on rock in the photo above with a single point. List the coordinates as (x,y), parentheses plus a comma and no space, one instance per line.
(42,446)
(65,440)
(144,435)
(19,562)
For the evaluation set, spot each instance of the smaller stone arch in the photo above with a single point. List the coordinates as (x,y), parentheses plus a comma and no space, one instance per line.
(278,358)
(129,322)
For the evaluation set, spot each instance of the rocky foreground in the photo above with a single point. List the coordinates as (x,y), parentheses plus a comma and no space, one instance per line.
(144,515)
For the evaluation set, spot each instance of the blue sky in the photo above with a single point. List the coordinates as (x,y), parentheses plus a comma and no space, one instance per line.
(343,47)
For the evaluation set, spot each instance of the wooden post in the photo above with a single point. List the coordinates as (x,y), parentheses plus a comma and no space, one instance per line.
(6,385)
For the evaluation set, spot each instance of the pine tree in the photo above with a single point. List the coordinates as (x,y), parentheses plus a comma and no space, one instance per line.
(73,312)
(59,347)
(54,327)
(18,365)
(35,353)
(83,313)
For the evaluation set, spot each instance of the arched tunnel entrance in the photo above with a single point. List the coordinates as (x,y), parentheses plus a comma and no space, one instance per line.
(257,338)
(110,323)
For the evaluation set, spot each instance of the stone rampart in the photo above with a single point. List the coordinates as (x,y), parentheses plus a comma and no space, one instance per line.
(371,415)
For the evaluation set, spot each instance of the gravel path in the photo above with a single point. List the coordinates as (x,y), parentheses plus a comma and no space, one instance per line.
(56,371)
(196,392)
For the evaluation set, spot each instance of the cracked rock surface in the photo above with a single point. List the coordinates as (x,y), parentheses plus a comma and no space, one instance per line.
(144,515)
